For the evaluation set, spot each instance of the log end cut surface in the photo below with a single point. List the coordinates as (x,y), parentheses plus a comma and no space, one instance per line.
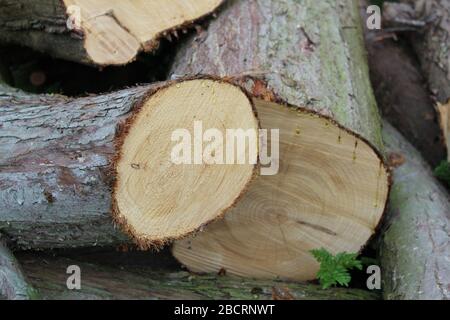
(115,31)
(330,192)
(159,199)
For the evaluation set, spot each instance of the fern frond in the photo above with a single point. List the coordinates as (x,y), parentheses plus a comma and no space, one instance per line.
(334,270)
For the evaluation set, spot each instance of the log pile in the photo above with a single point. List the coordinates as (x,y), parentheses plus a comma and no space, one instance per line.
(149,165)
(309,205)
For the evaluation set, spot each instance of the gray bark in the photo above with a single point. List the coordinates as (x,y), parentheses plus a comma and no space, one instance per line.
(13,285)
(55,177)
(415,242)
(309,53)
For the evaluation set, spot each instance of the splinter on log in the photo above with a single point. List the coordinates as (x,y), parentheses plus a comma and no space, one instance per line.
(332,183)
(101,32)
(66,163)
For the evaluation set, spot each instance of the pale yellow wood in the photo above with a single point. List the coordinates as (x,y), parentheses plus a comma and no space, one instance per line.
(116,30)
(444,115)
(330,192)
(159,200)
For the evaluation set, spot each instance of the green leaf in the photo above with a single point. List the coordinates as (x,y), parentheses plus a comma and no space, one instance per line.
(442,172)
(334,270)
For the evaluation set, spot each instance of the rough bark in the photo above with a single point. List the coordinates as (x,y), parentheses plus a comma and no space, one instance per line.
(98,33)
(13,285)
(415,242)
(55,156)
(48,275)
(402,93)
(310,53)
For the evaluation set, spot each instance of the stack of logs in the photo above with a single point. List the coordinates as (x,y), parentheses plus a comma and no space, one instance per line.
(97,171)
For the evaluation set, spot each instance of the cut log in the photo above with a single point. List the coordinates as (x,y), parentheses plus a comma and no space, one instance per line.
(402,94)
(98,281)
(100,32)
(415,242)
(67,163)
(430,42)
(332,184)
(13,285)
